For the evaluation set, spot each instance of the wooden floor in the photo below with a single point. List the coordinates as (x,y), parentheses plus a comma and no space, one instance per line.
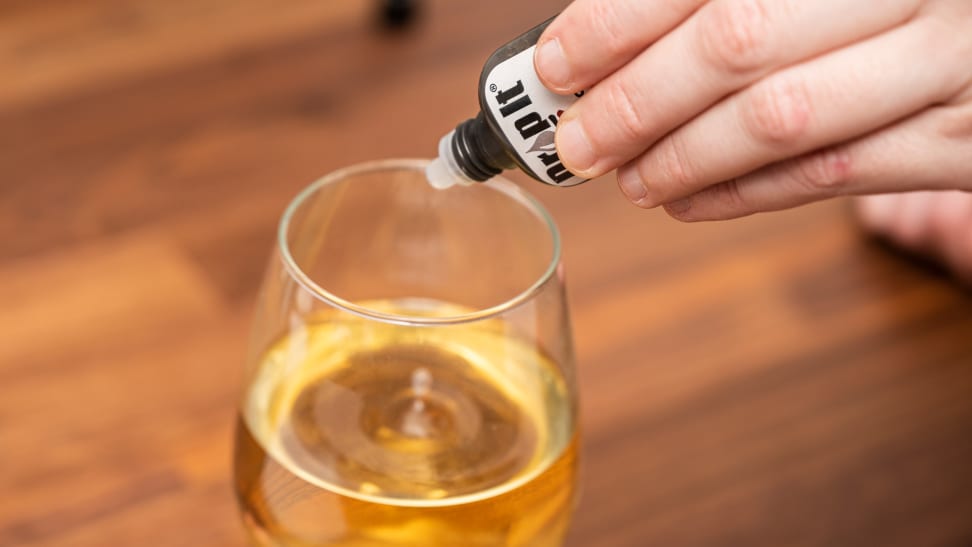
(775,381)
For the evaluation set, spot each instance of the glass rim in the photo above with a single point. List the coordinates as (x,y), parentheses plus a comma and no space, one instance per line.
(499,184)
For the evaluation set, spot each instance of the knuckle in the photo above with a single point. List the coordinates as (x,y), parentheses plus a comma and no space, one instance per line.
(948,36)
(729,197)
(609,27)
(955,124)
(674,164)
(622,102)
(777,112)
(735,35)
(827,172)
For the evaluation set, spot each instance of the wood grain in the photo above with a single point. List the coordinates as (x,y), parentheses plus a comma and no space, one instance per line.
(778,380)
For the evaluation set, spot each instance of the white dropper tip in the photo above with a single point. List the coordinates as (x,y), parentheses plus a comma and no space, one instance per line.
(444,171)
(438,174)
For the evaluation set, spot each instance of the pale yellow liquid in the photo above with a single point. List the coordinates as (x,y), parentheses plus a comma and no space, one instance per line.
(359,433)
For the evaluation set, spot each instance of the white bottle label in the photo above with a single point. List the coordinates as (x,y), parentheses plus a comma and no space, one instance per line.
(527,114)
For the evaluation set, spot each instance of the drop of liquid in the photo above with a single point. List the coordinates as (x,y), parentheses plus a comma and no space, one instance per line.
(405,418)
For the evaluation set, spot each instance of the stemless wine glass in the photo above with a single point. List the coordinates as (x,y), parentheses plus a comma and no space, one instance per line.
(410,379)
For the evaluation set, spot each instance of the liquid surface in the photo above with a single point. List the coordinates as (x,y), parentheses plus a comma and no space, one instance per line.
(361,433)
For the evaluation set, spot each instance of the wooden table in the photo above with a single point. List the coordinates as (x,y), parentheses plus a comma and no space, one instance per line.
(774,381)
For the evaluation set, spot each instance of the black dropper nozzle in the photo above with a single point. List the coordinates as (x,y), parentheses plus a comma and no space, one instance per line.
(478,151)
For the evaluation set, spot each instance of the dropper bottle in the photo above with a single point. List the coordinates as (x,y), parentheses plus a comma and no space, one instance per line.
(515,126)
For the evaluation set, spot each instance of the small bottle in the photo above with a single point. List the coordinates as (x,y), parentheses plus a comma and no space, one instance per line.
(514,128)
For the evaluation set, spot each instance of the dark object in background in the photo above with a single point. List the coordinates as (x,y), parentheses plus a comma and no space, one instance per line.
(397,14)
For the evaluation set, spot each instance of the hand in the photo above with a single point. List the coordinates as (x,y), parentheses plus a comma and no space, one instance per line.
(936,224)
(718,109)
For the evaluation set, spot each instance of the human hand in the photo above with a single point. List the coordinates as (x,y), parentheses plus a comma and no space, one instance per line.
(718,109)
(935,224)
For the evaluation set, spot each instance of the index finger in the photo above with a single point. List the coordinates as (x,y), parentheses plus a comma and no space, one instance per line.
(592,38)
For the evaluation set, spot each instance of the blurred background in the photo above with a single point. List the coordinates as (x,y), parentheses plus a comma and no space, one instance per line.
(777,380)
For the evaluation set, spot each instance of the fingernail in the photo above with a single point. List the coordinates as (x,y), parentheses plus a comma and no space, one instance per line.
(632,188)
(574,147)
(679,206)
(551,64)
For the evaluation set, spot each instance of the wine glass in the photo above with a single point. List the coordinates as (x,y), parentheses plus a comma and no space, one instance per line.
(410,378)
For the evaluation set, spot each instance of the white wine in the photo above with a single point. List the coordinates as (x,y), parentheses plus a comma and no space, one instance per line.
(360,433)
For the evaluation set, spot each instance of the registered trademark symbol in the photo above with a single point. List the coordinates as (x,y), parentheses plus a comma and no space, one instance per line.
(493,88)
